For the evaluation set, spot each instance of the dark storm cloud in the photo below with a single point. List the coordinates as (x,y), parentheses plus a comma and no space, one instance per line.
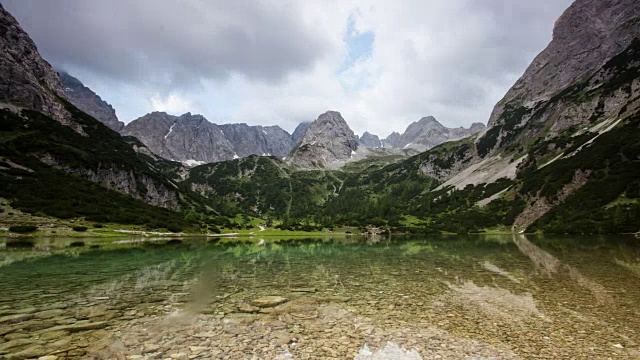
(171,42)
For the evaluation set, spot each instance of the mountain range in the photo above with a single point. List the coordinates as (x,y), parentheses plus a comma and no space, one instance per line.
(561,152)
(194,140)
(428,133)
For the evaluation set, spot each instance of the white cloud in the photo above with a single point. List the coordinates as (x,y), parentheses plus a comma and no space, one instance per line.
(279,62)
(172,103)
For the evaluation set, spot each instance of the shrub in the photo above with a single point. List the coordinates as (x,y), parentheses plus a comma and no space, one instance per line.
(79,228)
(174,228)
(98,226)
(23,229)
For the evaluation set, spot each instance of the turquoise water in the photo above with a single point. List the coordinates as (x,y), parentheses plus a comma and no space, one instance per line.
(510,296)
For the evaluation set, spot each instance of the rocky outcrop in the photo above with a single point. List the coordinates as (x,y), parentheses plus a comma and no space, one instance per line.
(27,83)
(391,140)
(328,142)
(428,133)
(194,140)
(258,140)
(26,79)
(139,186)
(370,141)
(585,38)
(587,74)
(185,138)
(299,132)
(541,205)
(88,101)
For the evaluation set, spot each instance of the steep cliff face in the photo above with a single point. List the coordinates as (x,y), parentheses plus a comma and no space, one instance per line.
(25,78)
(328,141)
(299,132)
(587,74)
(257,140)
(88,101)
(428,132)
(588,35)
(370,141)
(566,133)
(391,140)
(194,140)
(139,185)
(186,138)
(100,156)
(82,148)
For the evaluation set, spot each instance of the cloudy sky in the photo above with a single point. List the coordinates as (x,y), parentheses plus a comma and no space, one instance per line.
(382,63)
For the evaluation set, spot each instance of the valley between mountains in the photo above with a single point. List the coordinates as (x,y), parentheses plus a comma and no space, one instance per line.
(560,154)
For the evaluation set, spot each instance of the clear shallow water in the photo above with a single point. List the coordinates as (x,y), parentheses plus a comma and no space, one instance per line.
(453,297)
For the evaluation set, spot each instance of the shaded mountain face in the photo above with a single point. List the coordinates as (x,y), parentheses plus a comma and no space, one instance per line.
(427,133)
(89,102)
(587,36)
(370,141)
(564,132)
(258,140)
(587,74)
(26,79)
(299,132)
(59,160)
(564,162)
(327,142)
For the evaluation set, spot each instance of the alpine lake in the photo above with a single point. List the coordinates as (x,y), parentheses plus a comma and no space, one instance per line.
(429,297)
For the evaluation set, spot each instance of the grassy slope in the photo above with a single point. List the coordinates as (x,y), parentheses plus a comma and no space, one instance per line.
(40,189)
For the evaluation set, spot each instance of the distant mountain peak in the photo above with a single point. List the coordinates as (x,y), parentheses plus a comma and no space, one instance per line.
(193,140)
(299,132)
(428,119)
(88,101)
(427,133)
(328,141)
(370,141)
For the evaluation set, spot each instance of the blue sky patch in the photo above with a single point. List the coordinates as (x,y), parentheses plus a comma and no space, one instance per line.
(359,45)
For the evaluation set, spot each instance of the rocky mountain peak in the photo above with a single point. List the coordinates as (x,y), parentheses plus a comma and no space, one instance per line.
(370,141)
(427,133)
(477,127)
(26,79)
(187,138)
(257,140)
(327,142)
(429,120)
(193,117)
(332,118)
(88,101)
(299,132)
(585,36)
(193,140)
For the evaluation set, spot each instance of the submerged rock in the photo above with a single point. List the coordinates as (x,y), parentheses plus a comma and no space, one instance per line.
(77,327)
(12,319)
(304,290)
(47,314)
(269,301)
(389,352)
(28,353)
(246,308)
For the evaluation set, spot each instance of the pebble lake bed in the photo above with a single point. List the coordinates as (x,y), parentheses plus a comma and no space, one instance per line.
(434,297)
